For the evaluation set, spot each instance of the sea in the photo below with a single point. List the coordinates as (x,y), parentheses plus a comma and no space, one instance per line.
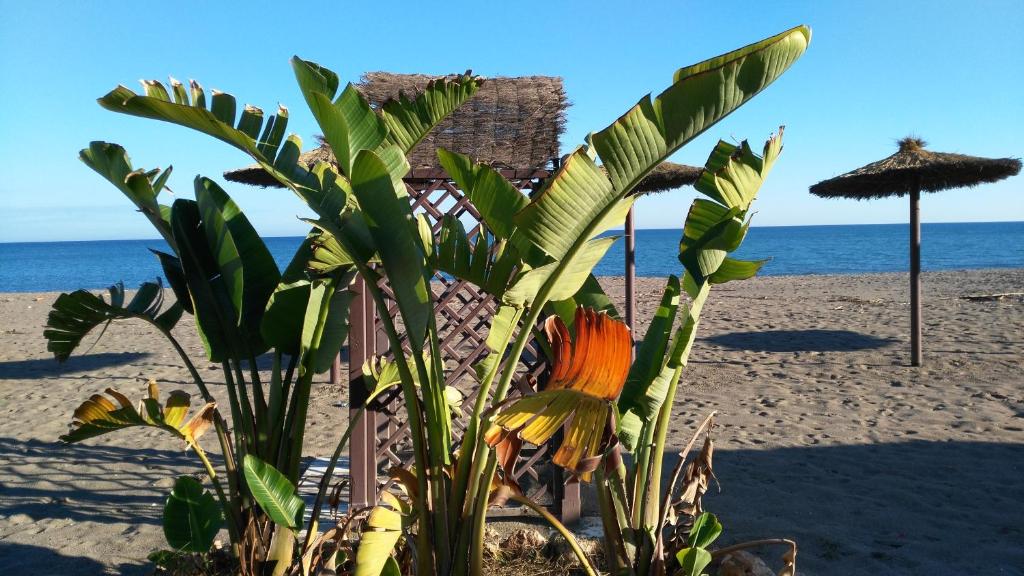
(792,250)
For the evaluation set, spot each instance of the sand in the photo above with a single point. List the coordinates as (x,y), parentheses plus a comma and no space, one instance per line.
(825,433)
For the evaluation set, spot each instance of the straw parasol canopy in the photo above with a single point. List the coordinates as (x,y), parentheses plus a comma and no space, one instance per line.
(911,170)
(913,166)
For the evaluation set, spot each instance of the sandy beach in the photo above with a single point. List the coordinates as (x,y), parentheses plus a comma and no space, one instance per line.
(825,435)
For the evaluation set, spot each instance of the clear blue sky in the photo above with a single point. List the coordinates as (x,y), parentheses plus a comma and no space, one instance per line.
(951,72)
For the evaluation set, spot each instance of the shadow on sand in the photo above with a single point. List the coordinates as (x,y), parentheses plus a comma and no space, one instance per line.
(87,483)
(48,367)
(929,508)
(28,559)
(918,507)
(800,341)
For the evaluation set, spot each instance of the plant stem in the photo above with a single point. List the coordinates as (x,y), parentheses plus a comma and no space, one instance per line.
(325,480)
(423,536)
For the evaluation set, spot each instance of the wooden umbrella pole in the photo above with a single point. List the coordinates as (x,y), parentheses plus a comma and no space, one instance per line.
(915,276)
(630,270)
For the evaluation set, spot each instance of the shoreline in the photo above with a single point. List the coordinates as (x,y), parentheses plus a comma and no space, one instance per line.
(620,277)
(824,434)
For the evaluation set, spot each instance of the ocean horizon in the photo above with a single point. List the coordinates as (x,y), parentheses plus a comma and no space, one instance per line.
(792,250)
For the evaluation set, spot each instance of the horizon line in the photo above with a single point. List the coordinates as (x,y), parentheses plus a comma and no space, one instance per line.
(610,230)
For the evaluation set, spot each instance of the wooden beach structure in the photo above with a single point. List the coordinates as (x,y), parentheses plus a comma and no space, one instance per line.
(910,171)
(513,125)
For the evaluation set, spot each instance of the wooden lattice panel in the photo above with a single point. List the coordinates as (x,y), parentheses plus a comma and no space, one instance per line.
(463,316)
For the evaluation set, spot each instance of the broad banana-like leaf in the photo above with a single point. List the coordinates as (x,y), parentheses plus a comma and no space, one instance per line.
(140,186)
(705,530)
(490,270)
(192,517)
(216,317)
(700,96)
(409,121)
(98,415)
(580,201)
(693,561)
(572,279)
(731,269)
(320,186)
(273,492)
(246,266)
(492,195)
(590,295)
(76,314)
(348,123)
(175,275)
(711,231)
(644,391)
(335,295)
(382,531)
(282,321)
(732,177)
(389,219)
(218,120)
(569,207)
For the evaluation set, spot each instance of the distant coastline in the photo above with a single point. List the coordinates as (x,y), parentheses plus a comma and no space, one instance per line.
(792,250)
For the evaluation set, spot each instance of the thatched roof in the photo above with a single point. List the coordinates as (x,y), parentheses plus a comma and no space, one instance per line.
(667,176)
(511,123)
(914,166)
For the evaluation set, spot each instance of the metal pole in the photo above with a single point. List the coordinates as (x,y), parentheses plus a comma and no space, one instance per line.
(630,270)
(915,276)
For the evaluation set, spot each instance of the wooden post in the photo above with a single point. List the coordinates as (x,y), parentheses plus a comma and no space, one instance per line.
(915,276)
(363,443)
(630,270)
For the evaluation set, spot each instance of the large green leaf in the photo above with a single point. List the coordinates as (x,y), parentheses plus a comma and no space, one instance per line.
(732,269)
(409,121)
(336,297)
(711,231)
(140,186)
(175,275)
(571,280)
(564,213)
(214,311)
(492,195)
(700,96)
(648,380)
(218,120)
(76,314)
(692,561)
(705,530)
(348,123)
(245,264)
(192,517)
(282,321)
(389,219)
(320,186)
(273,492)
(732,177)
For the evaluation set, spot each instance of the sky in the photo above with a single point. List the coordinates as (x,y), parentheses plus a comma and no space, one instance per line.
(950,72)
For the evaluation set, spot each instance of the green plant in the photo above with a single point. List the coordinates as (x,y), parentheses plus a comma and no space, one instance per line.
(536,260)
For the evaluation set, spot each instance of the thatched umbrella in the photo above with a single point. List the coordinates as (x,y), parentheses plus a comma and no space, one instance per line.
(912,170)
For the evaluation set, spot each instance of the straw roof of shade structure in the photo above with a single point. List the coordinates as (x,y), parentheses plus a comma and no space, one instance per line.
(667,176)
(913,166)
